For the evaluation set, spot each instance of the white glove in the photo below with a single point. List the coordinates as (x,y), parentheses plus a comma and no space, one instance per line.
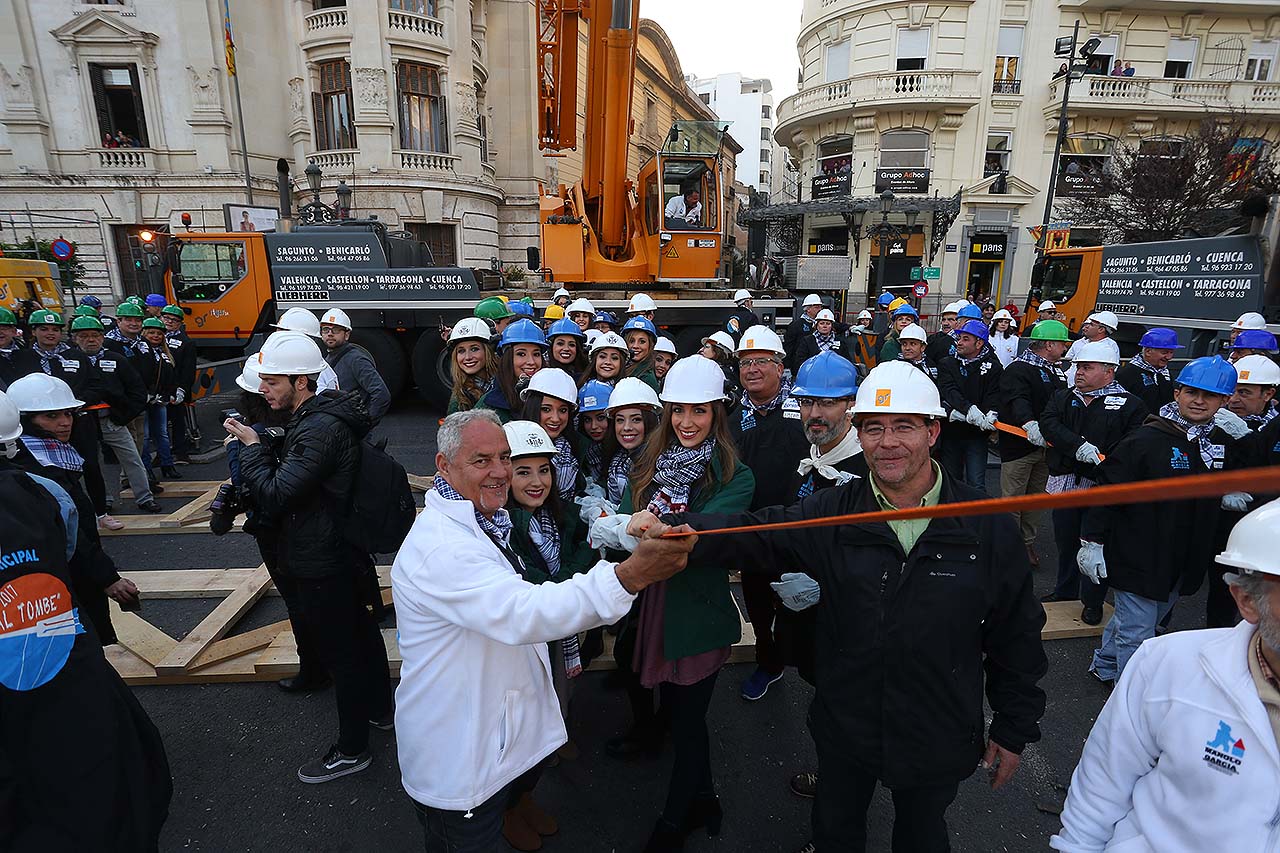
(1237,501)
(989,422)
(798,591)
(593,490)
(153,399)
(611,532)
(975,417)
(1089,454)
(1231,423)
(1089,559)
(1032,429)
(956,416)
(179,395)
(593,507)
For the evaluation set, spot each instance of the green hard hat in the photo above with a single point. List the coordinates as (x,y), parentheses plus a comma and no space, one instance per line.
(493,308)
(1050,330)
(527,300)
(86,311)
(86,324)
(135,300)
(128,309)
(153,323)
(172,311)
(7,318)
(44,317)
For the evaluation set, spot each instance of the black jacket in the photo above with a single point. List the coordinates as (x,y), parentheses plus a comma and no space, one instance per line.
(12,365)
(904,639)
(1024,392)
(975,384)
(309,489)
(739,321)
(799,327)
(927,367)
(1066,423)
(939,346)
(183,350)
(76,369)
(771,446)
(115,383)
(1151,549)
(807,347)
(1151,388)
(356,372)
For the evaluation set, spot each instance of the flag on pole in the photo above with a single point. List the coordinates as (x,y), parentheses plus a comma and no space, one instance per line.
(228,42)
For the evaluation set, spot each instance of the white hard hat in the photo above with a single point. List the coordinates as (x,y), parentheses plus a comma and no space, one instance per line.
(865,314)
(913,333)
(528,439)
(953,307)
(1105,351)
(693,379)
(592,334)
(1257,370)
(10,419)
(40,392)
(580,306)
(609,340)
(470,329)
(299,320)
(898,388)
(1002,314)
(812,299)
(560,291)
(249,379)
(1250,320)
(631,392)
(552,382)
(740,294)
(335,317)
(640,303)
(290,354)
(665,344)
(1046,306)
(760,338)
(1251,547)
(1105,318)
(722,340)
(825,314)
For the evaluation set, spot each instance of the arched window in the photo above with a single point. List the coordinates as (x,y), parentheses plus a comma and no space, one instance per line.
(904,148)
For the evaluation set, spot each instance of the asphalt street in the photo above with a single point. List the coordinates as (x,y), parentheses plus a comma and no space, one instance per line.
(234,749)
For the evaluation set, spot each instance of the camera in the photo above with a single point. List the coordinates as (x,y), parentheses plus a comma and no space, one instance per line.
(233,415)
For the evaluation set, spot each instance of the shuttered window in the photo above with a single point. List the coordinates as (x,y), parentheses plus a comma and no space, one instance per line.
(334,113)
(422,108)
(117,100)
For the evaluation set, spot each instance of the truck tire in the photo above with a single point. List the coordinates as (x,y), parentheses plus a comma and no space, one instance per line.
(431,369)
(388,357)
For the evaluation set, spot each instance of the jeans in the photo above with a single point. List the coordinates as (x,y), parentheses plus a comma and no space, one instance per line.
(120,440)
(478,830)
(691,771)
(350,647)
(966,460)
(156,433)
(763,607)
(1026,475)
(840,811)
(1135,620)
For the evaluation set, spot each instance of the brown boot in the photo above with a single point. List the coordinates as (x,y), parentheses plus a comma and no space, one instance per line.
(518,833)
(541,822)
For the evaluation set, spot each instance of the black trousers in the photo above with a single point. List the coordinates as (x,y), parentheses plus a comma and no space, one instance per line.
(1220,607)
(84,438)
(644,717)
(687,707)
(840,811)
(349,645)
(763,606)
(478,830)
(309,665)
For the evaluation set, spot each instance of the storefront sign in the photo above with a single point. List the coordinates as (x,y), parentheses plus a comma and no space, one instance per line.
(832,186)
(1216,279)
(902,180)
(828,247)
(988,246)
(1079,184)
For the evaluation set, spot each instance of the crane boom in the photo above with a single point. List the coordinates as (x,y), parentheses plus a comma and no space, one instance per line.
(557,63)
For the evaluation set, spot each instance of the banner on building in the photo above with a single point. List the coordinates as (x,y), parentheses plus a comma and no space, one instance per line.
(831,185)
(902,180)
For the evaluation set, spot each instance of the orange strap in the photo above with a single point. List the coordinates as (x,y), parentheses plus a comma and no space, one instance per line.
(1022,433)
(1264,480)
(96,407)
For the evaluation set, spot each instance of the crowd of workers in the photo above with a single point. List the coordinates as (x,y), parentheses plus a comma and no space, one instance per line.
(580,456)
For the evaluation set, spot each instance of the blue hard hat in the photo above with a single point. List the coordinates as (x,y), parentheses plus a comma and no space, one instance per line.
(155,300)
(906,310)
(1160,338)
(977,328)
(521,309)
(565,327)
(969,312)
(828,374)
(522,331)
(91,301)
(1212,373)
(605,317)
(884,299)
(1255,339)
(644,324)
(594,396)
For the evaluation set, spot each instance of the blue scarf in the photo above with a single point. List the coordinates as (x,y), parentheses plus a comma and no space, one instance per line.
(499,527)
(565,465)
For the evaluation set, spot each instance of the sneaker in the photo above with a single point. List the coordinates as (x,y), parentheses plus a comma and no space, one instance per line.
(170,473)
(804,784)
(333,765)
(384,724)
(106,522)
(758,684)
(150,506)
(808,848)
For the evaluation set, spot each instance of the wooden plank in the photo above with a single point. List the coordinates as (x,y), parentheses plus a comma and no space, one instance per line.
(280,659)
(1062,621)
(421,482)
(151,525)
(140,637)
(180,488)
(233,647)
(196,510)
(214,626)
(138,673)
(209,583)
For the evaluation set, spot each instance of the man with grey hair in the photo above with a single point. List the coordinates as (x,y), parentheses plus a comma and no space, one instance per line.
(1184,755)
(476,710)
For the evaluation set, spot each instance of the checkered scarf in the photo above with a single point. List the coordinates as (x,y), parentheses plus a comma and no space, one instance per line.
(52,453)
(595,459)
(47,358)
(1198,433)
(545,535)
(1256,422)
(566,468)
(499,527)
(619,470)
(750,410)
(133,345)
(965,362)
(1036,360)
(678,468)
(824,341)
(1114,388)
(1141,363)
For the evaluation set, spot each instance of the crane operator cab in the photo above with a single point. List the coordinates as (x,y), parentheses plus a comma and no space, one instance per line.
(682,202)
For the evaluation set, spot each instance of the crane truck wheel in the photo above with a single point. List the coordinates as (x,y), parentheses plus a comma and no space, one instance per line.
(431,370)
(388,357)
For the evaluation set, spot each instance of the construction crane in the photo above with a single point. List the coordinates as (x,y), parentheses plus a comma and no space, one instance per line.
(597,230)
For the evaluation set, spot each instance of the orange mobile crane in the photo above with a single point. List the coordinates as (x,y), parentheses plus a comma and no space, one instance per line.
(597,230)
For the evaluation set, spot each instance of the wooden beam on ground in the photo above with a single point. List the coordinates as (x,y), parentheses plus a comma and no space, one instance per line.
(208,583)
(154,525)
(140,637)
(1062,621)
(240,644)
(180,488)
(214,626)
(195,511)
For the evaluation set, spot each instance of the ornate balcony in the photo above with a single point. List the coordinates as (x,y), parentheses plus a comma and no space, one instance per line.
(919,89)
(416,30)
(326,26)
(1122,95)
(125,160)
(336,162)
(427,162)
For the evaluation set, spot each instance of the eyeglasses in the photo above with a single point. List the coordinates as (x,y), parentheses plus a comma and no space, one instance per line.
(757,362)
(824,403)
(875,432)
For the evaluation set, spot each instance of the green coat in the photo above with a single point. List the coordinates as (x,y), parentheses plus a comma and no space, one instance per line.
(891,348)
(646,374)
(575,556)
(700,614)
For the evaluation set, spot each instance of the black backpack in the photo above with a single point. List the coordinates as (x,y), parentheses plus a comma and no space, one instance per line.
(381,509)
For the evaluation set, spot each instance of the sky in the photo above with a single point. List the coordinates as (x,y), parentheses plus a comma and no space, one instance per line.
(754,37)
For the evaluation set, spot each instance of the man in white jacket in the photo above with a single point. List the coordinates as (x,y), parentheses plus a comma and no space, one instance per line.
(1184,757)
(475,710)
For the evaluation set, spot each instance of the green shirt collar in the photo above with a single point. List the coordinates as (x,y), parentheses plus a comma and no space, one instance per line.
(930,498)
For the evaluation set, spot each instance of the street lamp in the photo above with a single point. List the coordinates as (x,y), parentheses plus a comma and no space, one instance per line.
(313,174)
(344,200)
(884,233)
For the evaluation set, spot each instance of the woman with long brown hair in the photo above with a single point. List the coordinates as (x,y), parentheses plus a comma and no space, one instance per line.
(521,353)
(472,363)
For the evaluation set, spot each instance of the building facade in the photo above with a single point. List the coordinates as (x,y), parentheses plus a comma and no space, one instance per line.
(953,107)
(746,104)
(119,115)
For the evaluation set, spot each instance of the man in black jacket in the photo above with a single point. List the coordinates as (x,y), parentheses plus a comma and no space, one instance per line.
(743,317)
(911,614)
(1025,387)
(1146,375)
(1082,425)
(308,489)
(799,327)
(1150,553)
(941,343)
(183,351)
(125,338)
(10,348)
(969,382)
(352,364)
